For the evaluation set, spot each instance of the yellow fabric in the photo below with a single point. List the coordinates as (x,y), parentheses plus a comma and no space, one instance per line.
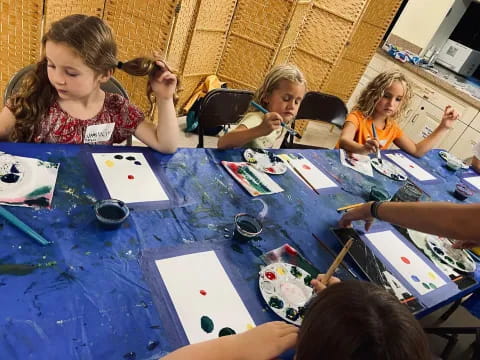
(364,130)
(272,140)
(211,82)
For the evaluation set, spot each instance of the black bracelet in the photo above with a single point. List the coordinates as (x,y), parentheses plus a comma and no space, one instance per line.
(374,209)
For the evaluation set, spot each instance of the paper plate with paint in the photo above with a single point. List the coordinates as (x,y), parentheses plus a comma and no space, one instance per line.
(456,258)
(445,155)
(389,169)
(286,289)
(265,161)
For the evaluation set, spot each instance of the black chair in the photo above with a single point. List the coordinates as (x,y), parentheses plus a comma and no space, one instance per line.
(221,107)
(111,86)
(322,107)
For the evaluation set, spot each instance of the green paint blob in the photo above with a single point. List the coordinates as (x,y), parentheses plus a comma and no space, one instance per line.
(226,331)
(292,314)
(17,269)
(294,271)
(40,191)
(275,302)
(207,324)
(307,279)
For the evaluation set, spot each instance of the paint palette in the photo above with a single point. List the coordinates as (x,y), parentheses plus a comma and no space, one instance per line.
(286,289)
(389,169)
(265,161)
(445,155)
(456,258)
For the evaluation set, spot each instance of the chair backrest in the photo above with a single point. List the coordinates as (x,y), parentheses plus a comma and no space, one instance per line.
(221,107)
(323,107)
(111,86)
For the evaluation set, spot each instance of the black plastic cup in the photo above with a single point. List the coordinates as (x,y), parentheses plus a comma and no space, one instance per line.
(111,213)
(246,227)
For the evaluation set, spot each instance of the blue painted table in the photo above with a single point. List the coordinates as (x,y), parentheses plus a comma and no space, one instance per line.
(85,296)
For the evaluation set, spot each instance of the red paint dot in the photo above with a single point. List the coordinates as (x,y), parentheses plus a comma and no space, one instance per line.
(203,292)
(290,250)
(405,260)
(412,166)
(270,275)
(305,166)
(131,177)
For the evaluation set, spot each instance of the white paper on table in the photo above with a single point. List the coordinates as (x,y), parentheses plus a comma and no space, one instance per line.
(316,178)
(411,167)
(185,276)
(473,180)
(421,276)
(361,163)
(129,180)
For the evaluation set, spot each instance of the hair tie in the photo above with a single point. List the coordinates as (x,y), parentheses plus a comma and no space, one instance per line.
(120,65)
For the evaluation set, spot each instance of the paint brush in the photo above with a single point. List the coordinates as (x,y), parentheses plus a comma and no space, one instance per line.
(22,226)
(285,126)
(302,176)
(348,207)
(337,261)
(330,251)
(374,130)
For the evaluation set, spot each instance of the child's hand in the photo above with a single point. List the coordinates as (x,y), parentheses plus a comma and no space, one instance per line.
(271,121)
(450,115)
(163,82)
(359,213)
(318,284)
(370,146)
(266,341)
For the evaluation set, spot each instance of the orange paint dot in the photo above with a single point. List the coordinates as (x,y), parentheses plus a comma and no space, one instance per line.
(405,260)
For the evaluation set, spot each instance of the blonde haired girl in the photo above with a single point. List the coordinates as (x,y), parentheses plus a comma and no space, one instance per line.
(61,101)
(281,93)
(381,103)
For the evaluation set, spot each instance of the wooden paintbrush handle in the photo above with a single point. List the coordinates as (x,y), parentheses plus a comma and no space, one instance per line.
(337,261)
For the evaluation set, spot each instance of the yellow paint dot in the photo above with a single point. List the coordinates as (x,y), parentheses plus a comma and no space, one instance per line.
(280,271)
(250,326)
(432,275)
(109,163)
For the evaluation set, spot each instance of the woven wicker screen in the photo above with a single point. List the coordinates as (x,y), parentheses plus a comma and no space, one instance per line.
(257,30)
(363,43)
(19,36)
(57,9)
(207,31)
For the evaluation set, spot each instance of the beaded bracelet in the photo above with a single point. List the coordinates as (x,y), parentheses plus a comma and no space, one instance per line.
(374,208)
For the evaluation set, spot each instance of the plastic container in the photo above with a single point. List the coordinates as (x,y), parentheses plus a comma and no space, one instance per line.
(111,213)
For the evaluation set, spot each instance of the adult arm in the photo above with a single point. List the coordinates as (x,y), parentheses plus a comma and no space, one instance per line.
(454,221)
(421,148)
(476,164)
(242,135)
(263,342)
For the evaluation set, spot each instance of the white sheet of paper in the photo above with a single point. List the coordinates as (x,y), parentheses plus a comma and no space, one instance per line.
(313,174)
(473,180)
(362,163)
(414,269)
(98,133)
(185,276)
(411,167)
(129,180)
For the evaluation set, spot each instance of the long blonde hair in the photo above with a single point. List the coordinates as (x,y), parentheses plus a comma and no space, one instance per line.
(92,39)
(272,79)
(375,89)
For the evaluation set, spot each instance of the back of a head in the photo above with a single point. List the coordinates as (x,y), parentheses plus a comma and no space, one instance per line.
(359,320)
(272,79)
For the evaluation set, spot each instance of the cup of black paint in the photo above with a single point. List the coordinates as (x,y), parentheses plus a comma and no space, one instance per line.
(408,192)
(111,213)
(246,227)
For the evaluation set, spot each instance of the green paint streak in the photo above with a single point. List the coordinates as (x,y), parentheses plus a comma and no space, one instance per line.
(40,191)
(207,324)
(226,331)
(17,269)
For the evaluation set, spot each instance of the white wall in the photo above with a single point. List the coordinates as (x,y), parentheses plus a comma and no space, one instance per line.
(420,20)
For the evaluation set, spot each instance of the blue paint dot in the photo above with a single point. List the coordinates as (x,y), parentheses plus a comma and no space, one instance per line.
(415,278)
